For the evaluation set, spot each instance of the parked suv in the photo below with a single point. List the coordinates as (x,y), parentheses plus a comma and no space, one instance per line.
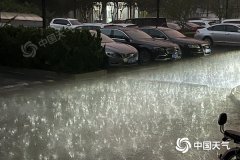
(149,48)
(61,23)
(222,34)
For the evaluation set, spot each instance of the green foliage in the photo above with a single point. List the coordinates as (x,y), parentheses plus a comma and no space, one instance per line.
(22,7)
(75,52)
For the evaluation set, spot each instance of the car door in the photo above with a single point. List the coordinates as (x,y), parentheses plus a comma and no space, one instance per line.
(233,34)
(218,34)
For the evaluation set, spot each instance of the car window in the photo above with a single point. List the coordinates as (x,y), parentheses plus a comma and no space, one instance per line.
(230,28)
(75,22)
(106,31)
(217,28)
(236,22)
(61,22)
(154,33)
(119,34)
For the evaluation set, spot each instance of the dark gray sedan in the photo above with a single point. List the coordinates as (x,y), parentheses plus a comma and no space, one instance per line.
(118,53)
(189,46)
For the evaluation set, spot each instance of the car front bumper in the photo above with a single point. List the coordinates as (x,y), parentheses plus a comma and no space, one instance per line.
(201,51)
(122,59)
(169,54)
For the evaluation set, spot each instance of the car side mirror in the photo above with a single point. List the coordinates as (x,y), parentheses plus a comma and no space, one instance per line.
(222,119)
(68,24)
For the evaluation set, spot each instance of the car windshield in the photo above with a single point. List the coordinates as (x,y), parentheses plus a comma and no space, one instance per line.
(75,22)
(173,34)
(137,34)
(106,39)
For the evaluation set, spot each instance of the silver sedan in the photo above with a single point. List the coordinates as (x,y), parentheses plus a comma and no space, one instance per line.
(221,34)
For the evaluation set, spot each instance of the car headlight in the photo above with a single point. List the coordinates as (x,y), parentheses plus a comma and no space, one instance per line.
(178,50)
(111,54)
(193,46)
(206,46)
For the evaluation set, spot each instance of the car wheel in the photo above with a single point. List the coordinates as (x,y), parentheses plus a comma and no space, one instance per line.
(208,40)
(144,56)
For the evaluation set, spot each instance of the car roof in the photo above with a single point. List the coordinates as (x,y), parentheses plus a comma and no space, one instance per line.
(65,19)
(232,24)
(122,29)
(227,24)
(102,25)
(225,20)
(201,20)
(146,18)
(124,24)
(159,28)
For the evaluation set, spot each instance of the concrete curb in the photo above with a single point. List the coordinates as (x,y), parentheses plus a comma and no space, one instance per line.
(50,74)
(235,95)
(33,72)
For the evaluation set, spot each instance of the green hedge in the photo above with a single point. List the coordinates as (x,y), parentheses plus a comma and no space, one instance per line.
(73,51)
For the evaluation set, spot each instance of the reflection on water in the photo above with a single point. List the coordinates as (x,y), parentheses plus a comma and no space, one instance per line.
(121,117)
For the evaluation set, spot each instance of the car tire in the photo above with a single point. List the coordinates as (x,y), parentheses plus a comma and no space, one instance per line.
(144,56)
(208,40)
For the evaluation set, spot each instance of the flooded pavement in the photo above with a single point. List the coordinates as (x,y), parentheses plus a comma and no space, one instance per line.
(129,114)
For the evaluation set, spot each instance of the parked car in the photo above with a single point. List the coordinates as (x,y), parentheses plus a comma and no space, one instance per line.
(221,34)
(118,53)
(203,23)
(173,26)
(129,25)
(96,26)
(188,28)
(149,48)
(148,21)
(235,21)
(189,46)
(63,23)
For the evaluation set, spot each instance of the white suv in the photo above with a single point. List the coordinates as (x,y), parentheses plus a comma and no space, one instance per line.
(63,23)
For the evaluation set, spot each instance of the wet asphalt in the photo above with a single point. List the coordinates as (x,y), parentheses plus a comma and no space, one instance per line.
(130,113)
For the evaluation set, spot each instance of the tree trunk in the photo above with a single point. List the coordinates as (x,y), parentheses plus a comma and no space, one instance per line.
(104,11)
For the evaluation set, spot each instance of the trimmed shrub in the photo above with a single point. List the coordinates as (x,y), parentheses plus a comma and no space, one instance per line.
(72,51)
